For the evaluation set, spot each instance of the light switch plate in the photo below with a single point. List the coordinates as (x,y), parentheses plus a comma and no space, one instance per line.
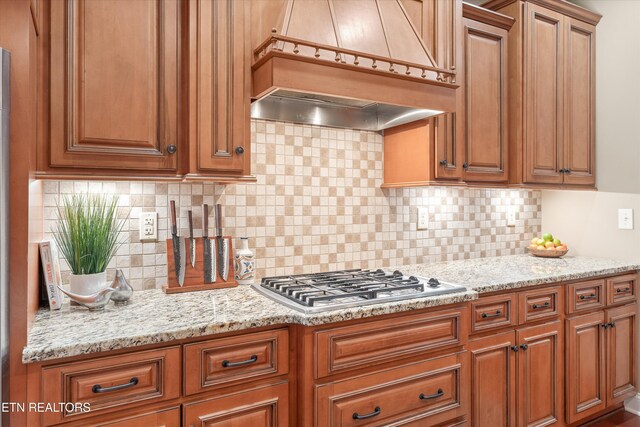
(625,219)
(423,218)
(511,216)
(148,226)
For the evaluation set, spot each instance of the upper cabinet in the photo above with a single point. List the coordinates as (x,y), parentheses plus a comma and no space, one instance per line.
(220,82)
(146,88)
(551,93)
(485,139)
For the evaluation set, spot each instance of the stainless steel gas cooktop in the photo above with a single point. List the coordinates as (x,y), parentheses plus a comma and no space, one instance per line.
(312,293)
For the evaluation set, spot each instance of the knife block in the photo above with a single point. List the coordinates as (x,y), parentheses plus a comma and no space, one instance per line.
(194,277)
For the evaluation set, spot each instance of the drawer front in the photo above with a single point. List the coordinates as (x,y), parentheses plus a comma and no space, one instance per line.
(584,296)
(493,312)
(540,304)
(110,383)
(256,407)
(227,361)
(428,392)
(164,418)
(385,341)
(622,289)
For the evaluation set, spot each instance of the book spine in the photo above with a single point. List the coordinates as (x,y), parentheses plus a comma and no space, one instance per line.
(50,279)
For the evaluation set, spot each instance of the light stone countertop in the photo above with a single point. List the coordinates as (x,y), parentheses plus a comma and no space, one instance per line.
(153,317)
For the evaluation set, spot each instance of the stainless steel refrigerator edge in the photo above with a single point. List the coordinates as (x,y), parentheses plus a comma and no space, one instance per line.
(4,219)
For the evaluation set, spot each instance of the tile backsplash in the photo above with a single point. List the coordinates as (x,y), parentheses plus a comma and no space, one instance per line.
(317,205)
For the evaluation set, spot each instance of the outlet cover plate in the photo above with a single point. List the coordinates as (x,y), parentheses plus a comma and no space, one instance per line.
(423,218)
(625,219)
(511,216)
(148,226)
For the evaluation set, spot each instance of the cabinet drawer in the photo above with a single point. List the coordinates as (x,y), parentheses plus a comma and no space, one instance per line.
(493,312)
(112,383)
(426,393)
(349,347)
(584,296)
(622,289)
(539,304)
(256,407)
(226,361)
(163,417)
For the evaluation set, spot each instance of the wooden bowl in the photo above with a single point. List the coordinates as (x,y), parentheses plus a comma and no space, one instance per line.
(546,253)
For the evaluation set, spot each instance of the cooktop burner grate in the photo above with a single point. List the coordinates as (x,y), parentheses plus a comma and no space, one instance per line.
(349,288)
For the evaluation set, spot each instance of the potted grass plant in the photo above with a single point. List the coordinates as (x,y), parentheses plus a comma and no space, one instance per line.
(87,235)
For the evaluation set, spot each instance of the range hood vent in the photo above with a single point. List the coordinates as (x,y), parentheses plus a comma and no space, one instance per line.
(348,63)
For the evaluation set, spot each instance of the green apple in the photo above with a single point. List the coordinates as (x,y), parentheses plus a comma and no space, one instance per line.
(547,237)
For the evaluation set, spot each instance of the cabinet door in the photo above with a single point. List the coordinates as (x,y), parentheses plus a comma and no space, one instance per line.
(622,360)
(544,60)
(585,363)
(540,374)
(222,138)
(579,115)
(113,85)
(447,152)
(485,139)
(256,407)
(493,380)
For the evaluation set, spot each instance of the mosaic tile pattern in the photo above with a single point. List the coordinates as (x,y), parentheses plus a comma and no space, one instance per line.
(317,206)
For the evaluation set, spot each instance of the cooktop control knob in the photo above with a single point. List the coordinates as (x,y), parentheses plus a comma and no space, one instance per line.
(433,283)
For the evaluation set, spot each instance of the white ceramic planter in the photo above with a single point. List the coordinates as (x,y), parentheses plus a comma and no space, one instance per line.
(87,284)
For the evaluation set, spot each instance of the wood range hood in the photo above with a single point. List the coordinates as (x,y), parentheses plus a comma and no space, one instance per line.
(345,63)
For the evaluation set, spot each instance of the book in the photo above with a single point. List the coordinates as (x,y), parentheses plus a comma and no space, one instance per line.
(51,273)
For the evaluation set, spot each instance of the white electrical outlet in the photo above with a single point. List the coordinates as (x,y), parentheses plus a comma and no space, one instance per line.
(625,219)
(423,219)
(148,226)
(511,216)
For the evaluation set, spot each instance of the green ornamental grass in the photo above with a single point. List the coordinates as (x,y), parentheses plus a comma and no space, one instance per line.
(87,232)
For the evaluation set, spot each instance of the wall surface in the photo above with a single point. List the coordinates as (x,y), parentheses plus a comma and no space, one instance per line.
(318,205)
(588,220)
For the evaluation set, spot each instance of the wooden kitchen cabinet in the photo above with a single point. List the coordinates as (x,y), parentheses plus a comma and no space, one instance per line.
(485,140)
(540,374)
(622,368)
(493,380)
(255,407)
(517,377)
(114,90)
(551,93)
(219,87)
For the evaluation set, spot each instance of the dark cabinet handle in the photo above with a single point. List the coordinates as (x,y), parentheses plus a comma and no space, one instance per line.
(227,364)
(375,412)
(439,393)
(591,296)
(171,149)
(625,290)
(612,324)
(99,389)
(514,348)
(443,162)
(567,171)
(465,165)
(563,170)
(604,325)
(496,314)
(239,150)
(524,346)
(537,306)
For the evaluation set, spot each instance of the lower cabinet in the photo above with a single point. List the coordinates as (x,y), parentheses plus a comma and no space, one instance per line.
(517,377)
(255,407)
(601,362)
(424,393)
(165,418)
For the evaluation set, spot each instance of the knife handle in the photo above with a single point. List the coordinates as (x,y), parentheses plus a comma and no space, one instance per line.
(172,211)
(219,219)
(205,220)
(190,216)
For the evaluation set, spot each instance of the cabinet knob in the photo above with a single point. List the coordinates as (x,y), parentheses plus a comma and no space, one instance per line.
(567,171)
(563,170)
(239,150)
(465,165)
(524,346)
(514,348)
(443,162)
(171,149)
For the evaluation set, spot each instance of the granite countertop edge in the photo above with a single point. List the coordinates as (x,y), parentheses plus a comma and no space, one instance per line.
(154,318)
